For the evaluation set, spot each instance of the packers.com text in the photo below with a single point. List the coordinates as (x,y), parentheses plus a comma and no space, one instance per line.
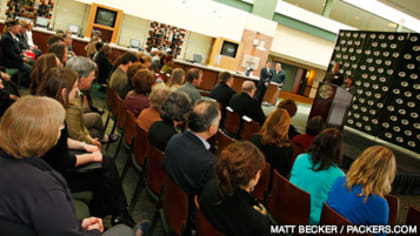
(343,229)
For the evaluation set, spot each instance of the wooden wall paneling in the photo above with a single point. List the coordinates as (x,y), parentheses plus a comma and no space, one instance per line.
(237,83)
(209,80)
(79,47)
(41,40)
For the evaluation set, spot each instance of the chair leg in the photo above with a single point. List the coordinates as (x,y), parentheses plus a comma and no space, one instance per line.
(125,170)
(118,148)
(136,194)
(107,121)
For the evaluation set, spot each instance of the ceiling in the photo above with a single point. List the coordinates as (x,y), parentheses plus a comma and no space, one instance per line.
(350,15)
(410,7)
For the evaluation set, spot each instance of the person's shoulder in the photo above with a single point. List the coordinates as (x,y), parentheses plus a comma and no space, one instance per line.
(255,139)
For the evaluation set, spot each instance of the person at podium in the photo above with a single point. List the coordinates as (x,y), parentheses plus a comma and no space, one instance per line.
(279,75)
(335,76)
(266,75)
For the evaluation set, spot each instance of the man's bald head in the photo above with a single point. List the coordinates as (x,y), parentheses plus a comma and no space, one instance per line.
(248,86)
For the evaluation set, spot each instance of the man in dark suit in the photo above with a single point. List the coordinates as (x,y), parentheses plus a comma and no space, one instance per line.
(335,76)
(187,159)
(12,52)
(266,75)
(223,92)
(245,104)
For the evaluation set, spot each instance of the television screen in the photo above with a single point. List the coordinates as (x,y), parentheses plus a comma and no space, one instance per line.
(229,49)
(105,17)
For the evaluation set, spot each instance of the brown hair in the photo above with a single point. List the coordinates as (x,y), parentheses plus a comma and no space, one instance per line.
(132,69)
(59,49)
(142,81)
(275,130)
(225,76)
(30,126)
(289,105)
(327,149)
(315,125)
(193,74)
(237,165)
(374,170)
(176,77)
(41,67)
(55,80)
(55,39)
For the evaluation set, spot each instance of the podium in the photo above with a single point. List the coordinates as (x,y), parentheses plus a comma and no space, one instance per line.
(272,93)
(331,103)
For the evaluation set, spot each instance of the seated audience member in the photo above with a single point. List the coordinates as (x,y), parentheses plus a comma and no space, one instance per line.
(226,200)
(187,159)
(291,107)
(44,63)
(152,114)
(68,41)
(6,98)
(155,60)
(136,100)
(316,171)
(223,92)
(60,50)
(177,78)
(146,60)
(118,78)
(313,128)
(273,141)
(104,65)
(29,26)
(24,46)
(194,79)
(108,196)
(39,201)
(85,126)
(57,38)
(360,196)
(91,46)
(12,56)
(174,113)
(168,64)
(245,104)
(131,71)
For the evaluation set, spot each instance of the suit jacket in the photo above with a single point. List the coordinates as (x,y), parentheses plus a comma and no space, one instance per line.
(188,162)
(222,93)
(11,51)
(265,75)
(246,105)
(191,91)
(23,42)
(104,67)
(74,118)
(279,77)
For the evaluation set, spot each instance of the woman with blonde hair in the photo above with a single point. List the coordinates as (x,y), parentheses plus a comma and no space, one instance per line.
(39,201)
(273,141)
(360,195)
(226,200)
(177,78)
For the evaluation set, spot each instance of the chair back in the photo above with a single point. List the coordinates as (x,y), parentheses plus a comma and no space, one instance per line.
(232,122)
(249,127)
(154,170)
(114,103)
(109,96)
(413,217)
(263,184)
(175,205)
(288,203)
(130,131)
(141,145)
(10,228)
(203,226)
(297,149)
(223,141)
(121,112)
(331,217)
(394,208)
